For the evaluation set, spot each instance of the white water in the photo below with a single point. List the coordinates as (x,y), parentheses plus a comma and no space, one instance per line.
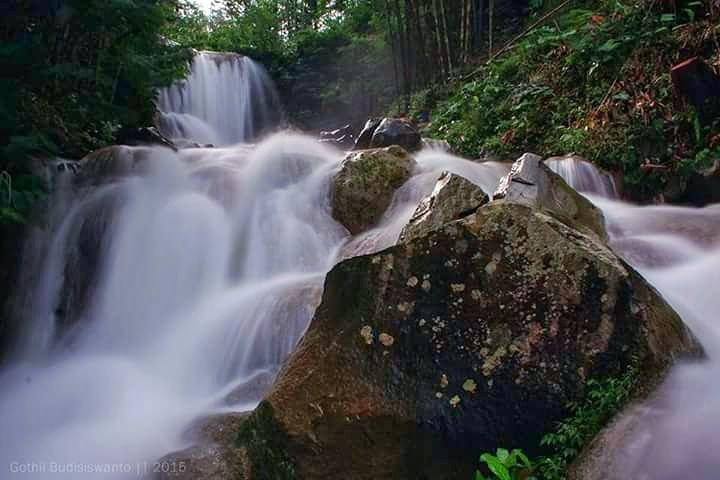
(678,251)
(226,99)
(210,267)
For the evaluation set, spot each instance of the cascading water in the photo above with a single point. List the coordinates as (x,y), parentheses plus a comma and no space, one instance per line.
(204,267)
(226,99)
(678,251)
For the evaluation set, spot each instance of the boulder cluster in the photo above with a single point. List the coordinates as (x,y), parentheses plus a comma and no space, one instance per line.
(473,332)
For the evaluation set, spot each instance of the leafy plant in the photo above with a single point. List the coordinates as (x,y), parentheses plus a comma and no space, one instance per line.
(18,195)
(587,417)
(595,82)
(506,465)
(602,400)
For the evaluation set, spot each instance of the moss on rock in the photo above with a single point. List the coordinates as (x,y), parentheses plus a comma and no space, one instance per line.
(364,187)
(264,442)
(496,322)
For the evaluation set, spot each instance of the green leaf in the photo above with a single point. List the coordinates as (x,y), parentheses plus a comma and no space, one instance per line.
(10,215)
(502,455)
(622,97)
(525,460)
(609,46)
(496,466)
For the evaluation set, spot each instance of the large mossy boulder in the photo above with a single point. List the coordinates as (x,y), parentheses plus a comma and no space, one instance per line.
(366,183)
(474,336)
(452,198)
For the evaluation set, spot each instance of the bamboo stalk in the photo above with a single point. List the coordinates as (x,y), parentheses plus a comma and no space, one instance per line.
(508,46)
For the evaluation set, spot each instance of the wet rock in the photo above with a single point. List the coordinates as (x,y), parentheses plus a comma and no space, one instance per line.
(497,321)
(110,163)
(366,134)
(530,182)
(143,136)
(214,455)
(608,456)
(703,187)
(183,143)
(364,187)
(699,84)
(453,198)
(11,244)
(81,275)
(396,131)
(341,137)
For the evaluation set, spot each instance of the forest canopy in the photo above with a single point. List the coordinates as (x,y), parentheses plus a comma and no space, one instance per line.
(75,72)
(348,59)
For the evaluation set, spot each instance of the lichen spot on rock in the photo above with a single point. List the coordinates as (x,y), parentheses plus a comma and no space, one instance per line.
(490,268)
(457,287)
(404,307)
(470,385)
(386,340)
(412,281)
(461,246)
(455,401)
(426,285)
(366,333)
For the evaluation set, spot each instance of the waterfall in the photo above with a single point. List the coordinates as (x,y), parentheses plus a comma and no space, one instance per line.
(174,284)
(583,176)
(226,99)
(210,265)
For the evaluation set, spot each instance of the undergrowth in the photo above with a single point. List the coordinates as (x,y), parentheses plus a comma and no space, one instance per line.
(587,417)
(594,81)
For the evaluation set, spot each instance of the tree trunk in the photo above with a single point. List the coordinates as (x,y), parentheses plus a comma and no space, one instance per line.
(393,48)
(491,26)
(438,38)
(447,36)
(478,24)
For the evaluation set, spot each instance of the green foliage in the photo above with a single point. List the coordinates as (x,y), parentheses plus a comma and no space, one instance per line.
(265,444)
(506,465)
(74,72)
(596,82)
(18,195)
(587,417)
(602,400)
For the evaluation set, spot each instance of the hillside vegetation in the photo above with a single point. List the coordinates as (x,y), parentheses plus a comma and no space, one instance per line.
(595,80)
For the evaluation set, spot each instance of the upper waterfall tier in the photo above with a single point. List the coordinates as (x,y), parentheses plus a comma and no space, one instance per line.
(227,98)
